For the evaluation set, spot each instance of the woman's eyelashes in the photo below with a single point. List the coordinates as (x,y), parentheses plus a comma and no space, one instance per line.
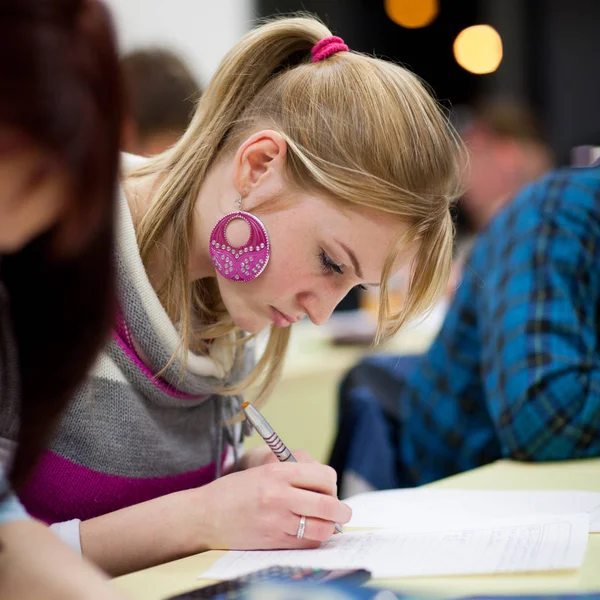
(329,266)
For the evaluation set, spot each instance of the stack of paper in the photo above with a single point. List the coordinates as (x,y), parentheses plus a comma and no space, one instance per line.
(445,532)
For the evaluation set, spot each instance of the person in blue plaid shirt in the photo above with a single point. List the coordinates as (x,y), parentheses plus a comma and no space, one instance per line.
(515,370)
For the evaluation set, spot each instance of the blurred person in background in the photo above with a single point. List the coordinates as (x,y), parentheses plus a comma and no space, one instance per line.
(515,370)
(507,150)
(60,114)
(161,94)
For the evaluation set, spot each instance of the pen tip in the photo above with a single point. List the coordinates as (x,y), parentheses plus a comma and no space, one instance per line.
(245,404)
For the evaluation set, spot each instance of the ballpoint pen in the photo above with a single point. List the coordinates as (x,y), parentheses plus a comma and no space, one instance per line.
(268,434)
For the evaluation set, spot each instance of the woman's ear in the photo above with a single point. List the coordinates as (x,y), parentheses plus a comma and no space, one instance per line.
(259,159)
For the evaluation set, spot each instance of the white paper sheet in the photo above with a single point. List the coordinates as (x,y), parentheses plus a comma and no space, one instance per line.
(422,507)
(524,544)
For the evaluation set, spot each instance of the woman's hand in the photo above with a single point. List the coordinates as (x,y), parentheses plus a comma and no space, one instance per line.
(261,507)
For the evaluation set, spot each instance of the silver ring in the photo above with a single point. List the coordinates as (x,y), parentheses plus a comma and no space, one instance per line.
(301,528)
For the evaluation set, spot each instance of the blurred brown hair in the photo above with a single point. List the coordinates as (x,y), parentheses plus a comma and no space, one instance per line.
(511,119)
(508,149)
(60,91)
(161,92)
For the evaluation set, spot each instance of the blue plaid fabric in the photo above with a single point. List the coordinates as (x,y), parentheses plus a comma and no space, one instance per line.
(515,370)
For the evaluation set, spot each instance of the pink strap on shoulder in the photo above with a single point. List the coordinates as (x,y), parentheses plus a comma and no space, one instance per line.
(328,46)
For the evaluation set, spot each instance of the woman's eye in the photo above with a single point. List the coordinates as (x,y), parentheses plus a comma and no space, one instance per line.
(328,265)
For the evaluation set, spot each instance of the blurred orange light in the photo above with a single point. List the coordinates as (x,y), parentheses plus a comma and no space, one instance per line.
(478,49)
(412,14)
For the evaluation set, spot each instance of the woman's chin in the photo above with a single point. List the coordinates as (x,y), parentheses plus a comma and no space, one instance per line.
(251,324)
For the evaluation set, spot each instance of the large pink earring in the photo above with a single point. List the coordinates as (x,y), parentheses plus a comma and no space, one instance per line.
(240,263)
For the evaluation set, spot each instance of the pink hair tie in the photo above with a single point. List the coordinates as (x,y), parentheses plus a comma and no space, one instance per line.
(328,46)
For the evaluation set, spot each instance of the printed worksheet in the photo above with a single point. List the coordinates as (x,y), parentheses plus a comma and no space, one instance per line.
(500,546)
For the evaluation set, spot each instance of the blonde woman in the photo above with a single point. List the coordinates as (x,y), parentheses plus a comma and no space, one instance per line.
(340,169)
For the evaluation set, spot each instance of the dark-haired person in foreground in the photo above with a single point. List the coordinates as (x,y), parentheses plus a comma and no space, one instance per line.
(60,114)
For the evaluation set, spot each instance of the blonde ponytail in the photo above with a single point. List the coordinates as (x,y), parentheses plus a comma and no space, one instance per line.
(363,131)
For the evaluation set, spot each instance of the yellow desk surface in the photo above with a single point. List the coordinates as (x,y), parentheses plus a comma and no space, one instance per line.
(160,582)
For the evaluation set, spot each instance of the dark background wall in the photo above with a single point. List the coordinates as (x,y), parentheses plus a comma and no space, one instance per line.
(551,54)
(568,57)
